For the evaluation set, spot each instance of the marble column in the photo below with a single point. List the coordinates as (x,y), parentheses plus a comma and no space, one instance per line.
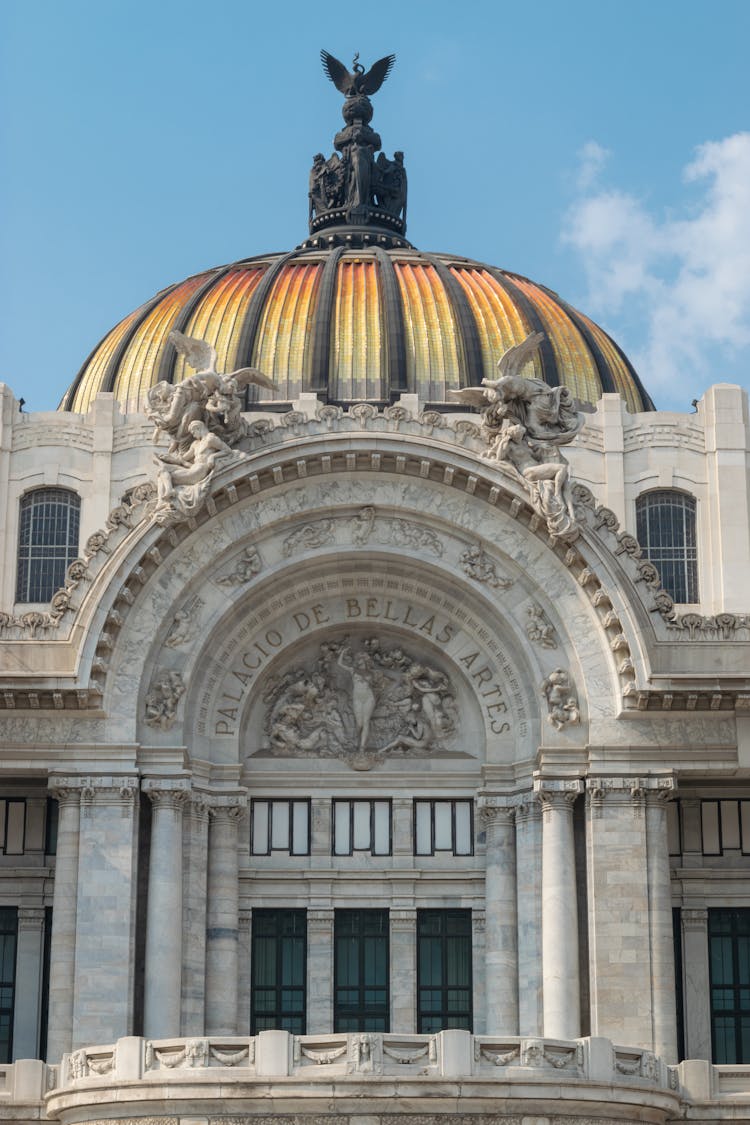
(529,899)
(105,915)
(29,960)
(194,878)
(163,971)
(67,791)
(697,985)
(663,998)
(403,970)
(561,979)
(222,915)
(319,970)
(501,951)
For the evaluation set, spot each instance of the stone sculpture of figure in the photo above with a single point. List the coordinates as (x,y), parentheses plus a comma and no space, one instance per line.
(208,396)
(524,423)
(359,668)
(562,704)
(390,184)
(183,480)
(539,629)
(318,202)
(162,699)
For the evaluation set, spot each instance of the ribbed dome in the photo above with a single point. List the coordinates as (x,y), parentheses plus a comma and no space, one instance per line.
(352,325)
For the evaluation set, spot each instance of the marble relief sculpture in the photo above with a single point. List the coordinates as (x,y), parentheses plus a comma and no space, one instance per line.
(360,705)
(202,417)
(525,422)
(562,702)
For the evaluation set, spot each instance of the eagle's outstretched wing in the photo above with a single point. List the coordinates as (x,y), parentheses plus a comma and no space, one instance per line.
(513,361)
(247,375)
(340,75)
(470,396)
(198,353)
(377,74)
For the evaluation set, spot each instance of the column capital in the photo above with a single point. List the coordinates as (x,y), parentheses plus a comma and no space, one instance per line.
(495,810)
(526,805)
(226,806)
(319,920)
(403,919)
(557,793)
(110,790)
(66,789)
(30,918)
(166,792)
(694,917)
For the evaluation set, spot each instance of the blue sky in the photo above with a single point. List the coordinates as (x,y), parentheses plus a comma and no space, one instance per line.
(601,148)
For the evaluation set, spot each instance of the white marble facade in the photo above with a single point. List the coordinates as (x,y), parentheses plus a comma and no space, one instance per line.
(353,552)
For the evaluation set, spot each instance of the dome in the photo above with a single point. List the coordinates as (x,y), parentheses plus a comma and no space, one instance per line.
(356,313)
(354,324)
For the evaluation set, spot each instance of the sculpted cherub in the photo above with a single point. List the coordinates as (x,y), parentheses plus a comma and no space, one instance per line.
(208,396)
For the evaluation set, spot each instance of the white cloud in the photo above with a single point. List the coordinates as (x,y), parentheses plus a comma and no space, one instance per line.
(593,157)
(685,274)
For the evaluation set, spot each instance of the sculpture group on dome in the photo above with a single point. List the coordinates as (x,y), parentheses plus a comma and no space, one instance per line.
(525,422)
(202,416)
(355,187)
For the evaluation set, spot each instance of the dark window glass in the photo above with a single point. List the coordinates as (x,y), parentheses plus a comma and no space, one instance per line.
(47,542)
(279,959)
(444,970)
(361,960)
(8,939)
(12,825)
(729,961)
(45,982)
(665,526)
(51,823)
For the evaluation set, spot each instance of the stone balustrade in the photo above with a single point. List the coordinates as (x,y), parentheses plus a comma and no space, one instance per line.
(274,1073)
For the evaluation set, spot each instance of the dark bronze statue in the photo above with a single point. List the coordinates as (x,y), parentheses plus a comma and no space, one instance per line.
(355,188)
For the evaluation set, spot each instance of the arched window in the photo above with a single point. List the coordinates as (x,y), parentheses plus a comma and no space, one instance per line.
(47,541)
(665,522)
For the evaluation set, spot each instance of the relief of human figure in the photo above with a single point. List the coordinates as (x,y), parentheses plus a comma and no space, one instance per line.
(364,699)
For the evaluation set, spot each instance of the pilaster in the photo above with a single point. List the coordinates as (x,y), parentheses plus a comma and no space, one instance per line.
(67,791)
(663,999)
(403,924)
(697,984)
(620,948)
(319,970)
(105,914)
(29,958)
(529,899)
(194,883)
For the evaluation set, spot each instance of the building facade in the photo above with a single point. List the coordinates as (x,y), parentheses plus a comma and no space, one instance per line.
(362,753)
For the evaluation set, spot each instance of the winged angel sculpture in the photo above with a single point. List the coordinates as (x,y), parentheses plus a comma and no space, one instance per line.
(357,81)
(202,416)
(525,422)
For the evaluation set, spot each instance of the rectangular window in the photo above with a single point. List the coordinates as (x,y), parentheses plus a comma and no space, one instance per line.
(8,940)
(360,971)
(443,826)
(280,826)
(444,983)
(725,826)
(729,961)
(278,968)
(12,825)
(361,826)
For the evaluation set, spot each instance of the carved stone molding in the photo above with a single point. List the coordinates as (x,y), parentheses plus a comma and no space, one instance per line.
(167,793)
(555,794)
(167,688)
(403,920)
(562,701)
(694,918)
(31,918)
(320,920)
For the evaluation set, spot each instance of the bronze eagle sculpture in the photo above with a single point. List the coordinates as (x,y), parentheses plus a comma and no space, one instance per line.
(357,81)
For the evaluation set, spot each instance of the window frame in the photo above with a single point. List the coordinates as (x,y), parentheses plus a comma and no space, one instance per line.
(362,1013)
(290,802)
(8,929)
(744,848)
(41,566)
(443,1015)
(278,1017)
(681,558)
(453,802)
(352,801)
(736,1012)
(7,802)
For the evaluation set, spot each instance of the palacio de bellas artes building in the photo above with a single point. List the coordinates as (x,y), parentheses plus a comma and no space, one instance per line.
(374,703)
